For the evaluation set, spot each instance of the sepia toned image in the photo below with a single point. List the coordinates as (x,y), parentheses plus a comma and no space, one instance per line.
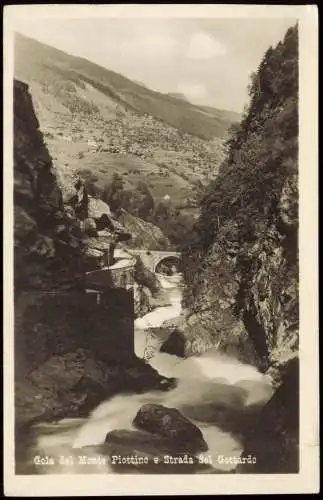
(156,249)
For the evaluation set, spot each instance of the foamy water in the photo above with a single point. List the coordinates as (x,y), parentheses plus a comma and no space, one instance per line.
(207,386)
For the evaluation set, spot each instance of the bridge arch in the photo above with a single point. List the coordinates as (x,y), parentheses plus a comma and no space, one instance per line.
(152,258)
(168,264)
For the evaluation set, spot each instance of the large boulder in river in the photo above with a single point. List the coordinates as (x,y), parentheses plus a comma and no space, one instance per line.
(169,423)
(151,453)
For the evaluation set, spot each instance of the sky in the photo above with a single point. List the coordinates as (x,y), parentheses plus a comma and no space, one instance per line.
(208,60)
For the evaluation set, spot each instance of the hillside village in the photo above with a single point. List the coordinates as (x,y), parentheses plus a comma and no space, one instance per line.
(128,133)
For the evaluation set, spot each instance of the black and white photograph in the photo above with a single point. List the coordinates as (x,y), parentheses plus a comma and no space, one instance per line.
(155,178)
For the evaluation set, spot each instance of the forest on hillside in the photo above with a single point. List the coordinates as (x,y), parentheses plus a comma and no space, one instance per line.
(140,202)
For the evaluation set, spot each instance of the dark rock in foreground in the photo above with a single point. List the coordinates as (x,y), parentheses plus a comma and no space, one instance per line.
(175,344)
(274,441)
(169,423)
(141,377)
(73,384)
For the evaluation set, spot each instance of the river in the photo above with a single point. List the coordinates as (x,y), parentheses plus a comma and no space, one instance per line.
(220,395)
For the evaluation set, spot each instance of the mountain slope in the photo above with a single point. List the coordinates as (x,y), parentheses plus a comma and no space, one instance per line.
(98,122)
(32,55)
(231,116)
(178,95)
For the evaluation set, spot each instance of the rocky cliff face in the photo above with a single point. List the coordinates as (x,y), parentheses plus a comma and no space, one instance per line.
(246,302)
(242,265)
(145,234)
(274,438)
(56,221)
(64,364)
(45,239)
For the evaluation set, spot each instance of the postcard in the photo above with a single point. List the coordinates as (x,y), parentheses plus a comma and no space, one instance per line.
(160,249)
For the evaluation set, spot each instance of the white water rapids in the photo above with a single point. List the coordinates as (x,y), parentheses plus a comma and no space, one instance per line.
(207,386)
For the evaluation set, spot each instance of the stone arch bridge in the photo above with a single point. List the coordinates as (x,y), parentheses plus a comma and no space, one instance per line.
(152,258)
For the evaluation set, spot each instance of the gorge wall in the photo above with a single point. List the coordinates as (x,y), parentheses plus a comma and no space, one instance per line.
(242,262)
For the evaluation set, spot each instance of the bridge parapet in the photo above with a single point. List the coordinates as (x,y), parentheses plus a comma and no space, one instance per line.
(119,275)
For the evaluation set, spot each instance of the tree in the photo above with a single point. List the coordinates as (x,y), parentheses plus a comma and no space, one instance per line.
(141,202)
(174,224)
(112,193)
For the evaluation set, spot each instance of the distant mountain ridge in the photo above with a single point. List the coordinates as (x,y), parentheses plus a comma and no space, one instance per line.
(179,95)
(232,116)
(133,95)
(140,83)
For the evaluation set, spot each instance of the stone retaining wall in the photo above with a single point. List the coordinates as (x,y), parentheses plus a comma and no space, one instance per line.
(54,323)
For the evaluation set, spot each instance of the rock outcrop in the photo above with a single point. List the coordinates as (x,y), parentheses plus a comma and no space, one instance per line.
(72,384)
(175,344)
(46,239)
(247,305)
(171,425)
(274,439)
(145,234)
